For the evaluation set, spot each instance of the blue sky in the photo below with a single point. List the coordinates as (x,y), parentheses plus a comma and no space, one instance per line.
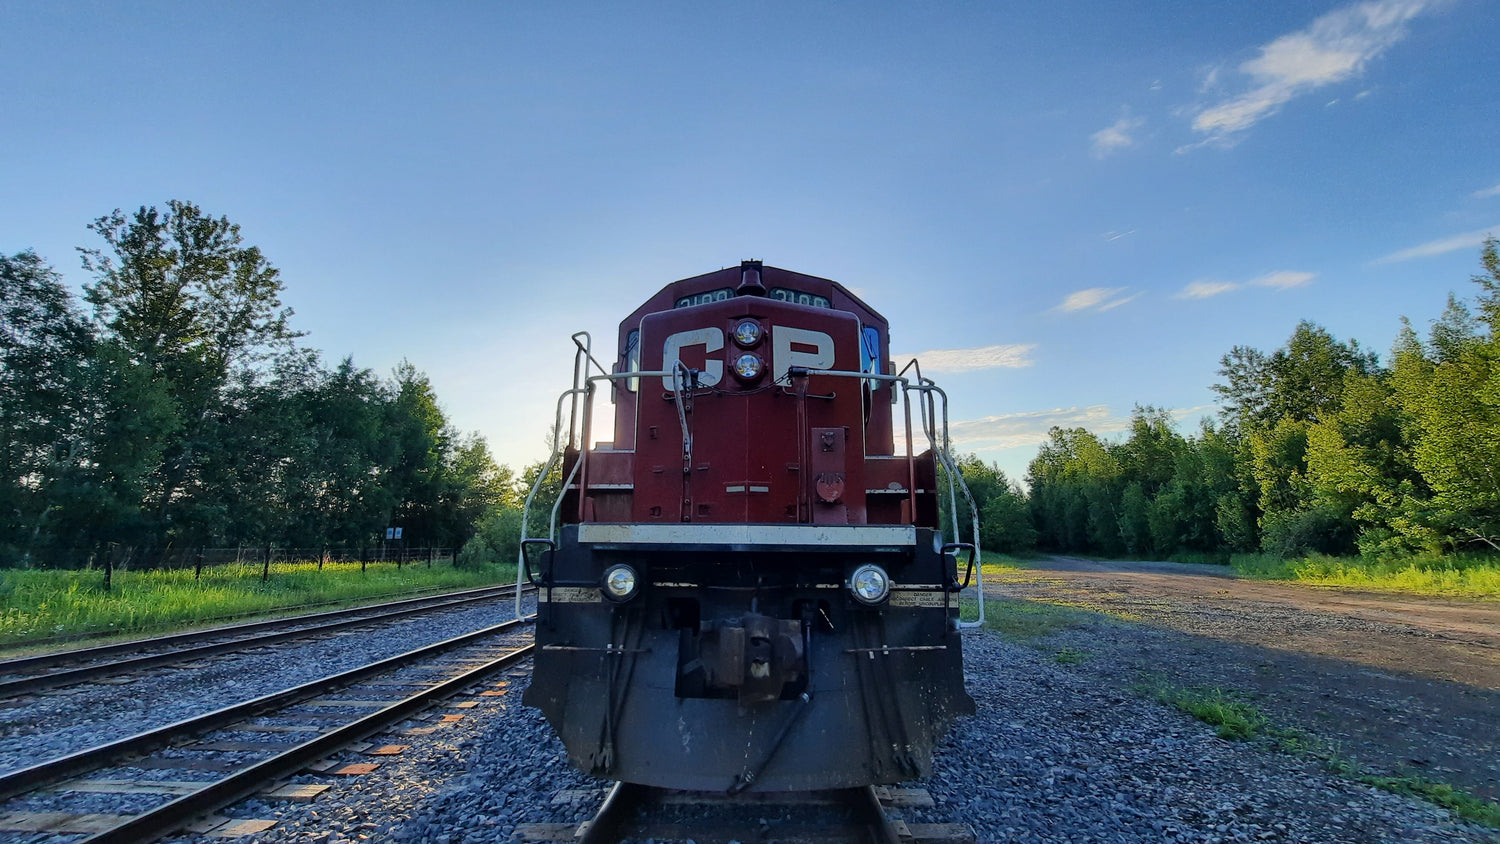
(1068,210)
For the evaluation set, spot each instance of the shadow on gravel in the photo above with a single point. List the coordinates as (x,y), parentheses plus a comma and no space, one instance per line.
(1393,723)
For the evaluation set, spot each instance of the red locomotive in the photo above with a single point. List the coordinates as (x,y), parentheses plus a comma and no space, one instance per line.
(749,587)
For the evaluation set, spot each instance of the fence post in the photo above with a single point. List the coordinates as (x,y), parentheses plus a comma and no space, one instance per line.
(109,568)
(321,557)
(364,556)
(198,564)
(265,570)
(429,556)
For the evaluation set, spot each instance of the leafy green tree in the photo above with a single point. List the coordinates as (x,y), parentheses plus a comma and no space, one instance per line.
(181,284)
(340,491)
(181,296)
(1004,517)
(539,519)
(1245,394)
(1135,519)
(1449,403)
(1231,489)
(1076,484)
(479,486)
(1455,333)
(1271,401)
(1360,460)
(984,481)
(422,437)
(46,407)
(185,413)
(1149,454)
(1005,524)
(497,538)
(1280,460)
(1299,381)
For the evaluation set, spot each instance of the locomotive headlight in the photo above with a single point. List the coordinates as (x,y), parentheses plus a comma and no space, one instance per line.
(749,366)
(748,333)
(870,584)
(620,582)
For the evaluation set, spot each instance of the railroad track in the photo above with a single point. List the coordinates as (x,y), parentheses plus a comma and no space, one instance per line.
(843,816)
(212,763)
(31,674)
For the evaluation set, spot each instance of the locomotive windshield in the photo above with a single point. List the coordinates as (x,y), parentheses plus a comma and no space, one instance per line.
(704,298)
(633,357)
(797,297)
(780,294)
(869,349)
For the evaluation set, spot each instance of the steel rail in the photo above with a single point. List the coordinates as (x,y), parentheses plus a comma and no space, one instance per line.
(25,685)
(867,809)
(619,804)
(44,773)
(152,824)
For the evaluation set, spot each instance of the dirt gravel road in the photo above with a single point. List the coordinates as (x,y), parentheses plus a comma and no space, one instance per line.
(1402,684)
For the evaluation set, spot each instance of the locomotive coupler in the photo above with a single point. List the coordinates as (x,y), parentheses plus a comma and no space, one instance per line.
(756,656)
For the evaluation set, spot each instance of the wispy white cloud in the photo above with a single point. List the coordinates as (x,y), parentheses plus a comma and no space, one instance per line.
(1333,48)
(1210,79)
(1010,430)
(1283,279)
(1003,356)
(1095,299)
(1441,246)
(1487,192)
(1114,235)
(1205,289)
(1113,138)
(1124,300)
(1280,280)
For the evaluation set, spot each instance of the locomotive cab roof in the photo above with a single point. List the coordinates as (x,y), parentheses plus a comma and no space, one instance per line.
(752,278)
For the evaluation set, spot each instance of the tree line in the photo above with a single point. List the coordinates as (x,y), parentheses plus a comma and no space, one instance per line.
(174,407)
(1319,447)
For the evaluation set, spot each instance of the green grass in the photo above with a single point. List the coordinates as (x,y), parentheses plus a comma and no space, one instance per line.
(1456,575)
(1231,716)
(37,605)
(1022,620)
(1070,656)
(1202,558)
(1450,797)
(1235,718)
(1026,621)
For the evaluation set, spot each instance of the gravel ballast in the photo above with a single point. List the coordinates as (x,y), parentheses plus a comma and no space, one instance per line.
(60,721)
(1051,756)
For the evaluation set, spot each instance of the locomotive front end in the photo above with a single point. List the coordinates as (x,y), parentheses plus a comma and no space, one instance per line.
(748,588)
